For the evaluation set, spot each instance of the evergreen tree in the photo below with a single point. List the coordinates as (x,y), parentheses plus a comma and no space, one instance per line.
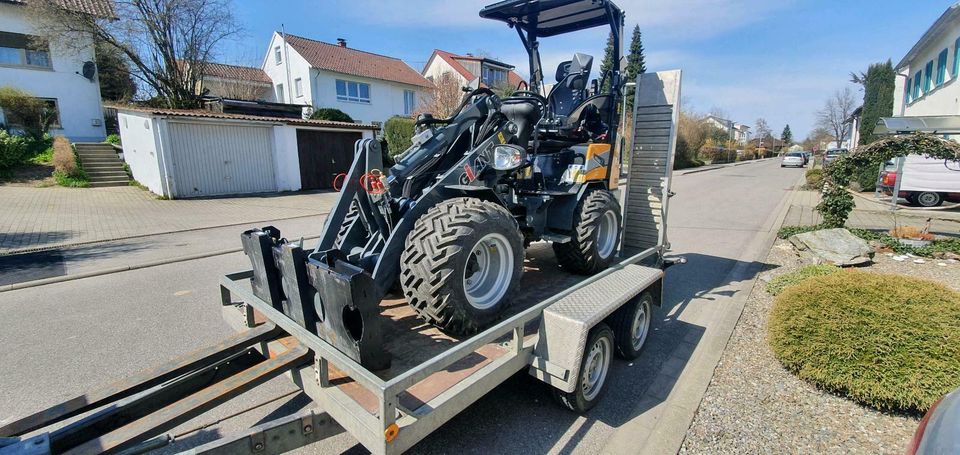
(607,62)
(116,83)
(636,64)
(877,98)
(786,136)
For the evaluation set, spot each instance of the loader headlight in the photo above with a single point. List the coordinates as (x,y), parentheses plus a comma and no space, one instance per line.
(508,157)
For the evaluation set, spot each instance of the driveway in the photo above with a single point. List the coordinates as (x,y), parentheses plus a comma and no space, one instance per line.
(43,218)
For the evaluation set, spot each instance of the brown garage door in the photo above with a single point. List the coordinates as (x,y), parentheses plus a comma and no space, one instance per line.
(323,155)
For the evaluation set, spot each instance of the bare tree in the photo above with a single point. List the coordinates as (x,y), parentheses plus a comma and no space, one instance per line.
(833,117)
(166,41)
(762,129)
(444,98)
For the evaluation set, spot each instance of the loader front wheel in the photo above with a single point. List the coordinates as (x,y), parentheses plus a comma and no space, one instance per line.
(460,263)
(595,235)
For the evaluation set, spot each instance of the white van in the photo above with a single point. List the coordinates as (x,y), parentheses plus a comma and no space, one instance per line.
(926,182)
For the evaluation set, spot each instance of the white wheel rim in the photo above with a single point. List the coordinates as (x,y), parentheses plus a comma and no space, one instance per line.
(488,271)
(641,324)
(595,368)
(607,234)
(927,199)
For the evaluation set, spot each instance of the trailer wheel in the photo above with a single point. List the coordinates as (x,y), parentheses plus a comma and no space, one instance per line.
(631,324)
(928,199)
(593,371)
(595,236)
(460,263)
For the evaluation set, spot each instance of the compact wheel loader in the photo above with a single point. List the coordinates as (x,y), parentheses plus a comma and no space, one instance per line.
(448,223)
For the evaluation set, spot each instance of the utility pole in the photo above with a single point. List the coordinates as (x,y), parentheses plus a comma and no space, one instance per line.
(286,66)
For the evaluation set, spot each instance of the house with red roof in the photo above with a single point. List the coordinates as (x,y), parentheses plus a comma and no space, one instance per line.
(492,73)
(367,86)
(64,77)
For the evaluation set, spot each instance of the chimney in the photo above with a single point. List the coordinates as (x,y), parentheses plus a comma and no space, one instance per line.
(469,54)
(341,42)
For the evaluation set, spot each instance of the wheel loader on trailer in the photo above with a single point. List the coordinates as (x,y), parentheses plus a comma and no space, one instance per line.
(441,235)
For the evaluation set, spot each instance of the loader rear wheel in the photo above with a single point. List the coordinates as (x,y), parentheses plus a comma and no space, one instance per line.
(595,236)
(460,262)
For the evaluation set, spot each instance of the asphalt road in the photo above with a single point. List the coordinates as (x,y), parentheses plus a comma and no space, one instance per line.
(61,339)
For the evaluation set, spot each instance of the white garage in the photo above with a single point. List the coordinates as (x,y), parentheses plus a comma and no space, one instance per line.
(185,154)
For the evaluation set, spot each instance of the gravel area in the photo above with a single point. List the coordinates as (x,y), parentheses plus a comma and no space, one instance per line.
(753,405)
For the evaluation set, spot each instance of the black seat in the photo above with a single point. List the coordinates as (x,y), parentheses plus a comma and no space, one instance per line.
(570,91)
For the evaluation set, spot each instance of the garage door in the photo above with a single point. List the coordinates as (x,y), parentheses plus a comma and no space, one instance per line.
(219,159)
(323,155)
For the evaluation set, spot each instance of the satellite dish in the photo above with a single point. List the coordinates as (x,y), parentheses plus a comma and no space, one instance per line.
(89,70)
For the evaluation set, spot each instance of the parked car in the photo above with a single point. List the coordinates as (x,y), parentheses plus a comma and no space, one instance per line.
(794,159)
(927,182)
(937,432)
(832,155)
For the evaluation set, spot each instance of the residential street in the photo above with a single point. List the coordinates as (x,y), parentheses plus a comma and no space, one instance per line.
(64,338)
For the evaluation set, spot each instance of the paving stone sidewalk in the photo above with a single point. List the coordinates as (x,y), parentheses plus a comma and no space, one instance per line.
(32,218)
(870,214)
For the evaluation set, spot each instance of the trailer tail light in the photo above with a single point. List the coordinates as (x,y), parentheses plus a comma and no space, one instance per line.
(889,178)
(391,432)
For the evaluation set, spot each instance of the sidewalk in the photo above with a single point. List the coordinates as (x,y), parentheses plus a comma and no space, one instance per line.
(41,218)
(869,214)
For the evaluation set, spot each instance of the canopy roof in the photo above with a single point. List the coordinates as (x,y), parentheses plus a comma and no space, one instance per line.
(937,124)
(552,17)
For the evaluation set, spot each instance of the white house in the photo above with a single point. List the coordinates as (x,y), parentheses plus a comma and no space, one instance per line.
(737,131)
(53,73)
(368,87)
(236,82)
(466,68)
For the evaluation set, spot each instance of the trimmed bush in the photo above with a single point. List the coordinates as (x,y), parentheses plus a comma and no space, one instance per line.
(399,134)
(778,284)
(329,113)
(64,160)
(889,342)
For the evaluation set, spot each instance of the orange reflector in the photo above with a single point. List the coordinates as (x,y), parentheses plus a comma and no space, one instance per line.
(391,432)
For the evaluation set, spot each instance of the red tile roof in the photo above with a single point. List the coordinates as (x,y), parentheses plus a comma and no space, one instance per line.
(453,60)
(101,8)
(219,115)
(344,60)
(243,73)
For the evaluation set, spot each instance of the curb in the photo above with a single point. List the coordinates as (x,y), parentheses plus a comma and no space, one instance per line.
(123,268)
(722,166)
(667,420)
(137,236)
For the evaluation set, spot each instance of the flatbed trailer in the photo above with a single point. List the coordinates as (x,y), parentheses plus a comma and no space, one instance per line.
(433,376)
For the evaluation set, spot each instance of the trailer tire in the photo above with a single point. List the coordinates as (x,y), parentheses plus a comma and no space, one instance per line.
(595,236)
(631,325)
(928,199)
(594,369)
(460,264)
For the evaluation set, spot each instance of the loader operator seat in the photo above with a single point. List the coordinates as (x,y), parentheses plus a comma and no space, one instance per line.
(571,88)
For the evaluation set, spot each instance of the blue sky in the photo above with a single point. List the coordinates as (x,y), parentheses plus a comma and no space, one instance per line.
(776,59)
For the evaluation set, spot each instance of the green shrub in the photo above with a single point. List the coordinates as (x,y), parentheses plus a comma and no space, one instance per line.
(890,342)
(779,283)
(44,157)
(866,177)
(76,180)
(814,179)
(329,113)
(113,139)
(788,231)
(399,133)
(13,151)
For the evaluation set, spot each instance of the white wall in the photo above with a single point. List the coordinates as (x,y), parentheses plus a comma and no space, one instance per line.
(81,113)
(437,66)
(386,98)
(139,133)
(943,100)
(299,68)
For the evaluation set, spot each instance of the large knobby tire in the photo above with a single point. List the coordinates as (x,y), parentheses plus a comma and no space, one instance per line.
(460,263)
(594,369)
(595,235)
(631,325)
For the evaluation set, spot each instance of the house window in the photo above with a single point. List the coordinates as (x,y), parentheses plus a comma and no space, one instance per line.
(24,50)
(917,81)
(277,55)
(942,68)
(409,101)
(298,87)
(53,111)
(281,98)
(494,77)
(906,91)
(956,58)
(928,78)
(356,92)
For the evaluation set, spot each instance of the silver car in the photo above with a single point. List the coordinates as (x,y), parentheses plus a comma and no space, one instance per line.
(832,155)
(794,159)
